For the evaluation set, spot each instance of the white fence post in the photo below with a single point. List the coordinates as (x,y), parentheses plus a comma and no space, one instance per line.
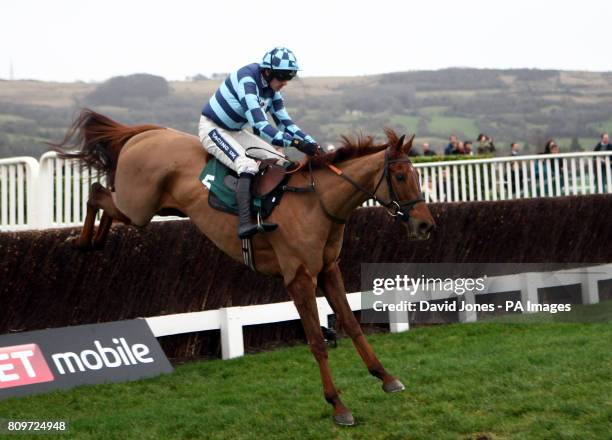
(323,315)
(32,176)
(529,289)
(44,188)
(398,321)
(467,298)
(232,340)
(589,286)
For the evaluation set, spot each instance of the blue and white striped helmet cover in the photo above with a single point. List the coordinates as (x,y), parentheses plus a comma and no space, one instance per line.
(280,58)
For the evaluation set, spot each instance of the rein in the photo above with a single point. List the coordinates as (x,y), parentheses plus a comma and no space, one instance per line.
(395,208)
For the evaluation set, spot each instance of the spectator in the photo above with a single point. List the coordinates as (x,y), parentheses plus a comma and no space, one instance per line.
(556,164)
(485,144)
(517,173)
(462,148)
(459,148)
(452,145)
(427,151)
(467,146)
(604,143)
(551,147)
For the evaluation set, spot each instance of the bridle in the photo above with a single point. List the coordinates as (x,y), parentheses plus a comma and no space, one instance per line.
(395,208)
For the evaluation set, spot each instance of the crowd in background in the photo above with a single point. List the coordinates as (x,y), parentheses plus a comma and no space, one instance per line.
(484,145)
(545,178)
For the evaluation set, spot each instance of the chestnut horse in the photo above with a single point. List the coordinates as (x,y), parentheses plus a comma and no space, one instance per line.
(152,169)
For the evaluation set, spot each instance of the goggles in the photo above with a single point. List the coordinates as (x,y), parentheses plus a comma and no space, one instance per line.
(284,75)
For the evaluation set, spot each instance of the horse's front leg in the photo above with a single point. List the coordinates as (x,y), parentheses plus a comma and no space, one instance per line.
(302,290)
(333,287)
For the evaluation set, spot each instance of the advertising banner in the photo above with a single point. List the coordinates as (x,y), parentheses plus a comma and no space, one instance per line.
(61,358)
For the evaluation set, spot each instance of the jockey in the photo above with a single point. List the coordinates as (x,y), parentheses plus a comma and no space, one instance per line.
(245,97)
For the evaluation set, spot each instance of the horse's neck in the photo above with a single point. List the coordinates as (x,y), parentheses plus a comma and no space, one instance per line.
(338,195)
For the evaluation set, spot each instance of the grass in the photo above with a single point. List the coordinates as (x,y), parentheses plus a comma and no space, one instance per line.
(485,380)
(433,110)
(449,124)
(5,117)
(601,127)
(594,313)
(410,123)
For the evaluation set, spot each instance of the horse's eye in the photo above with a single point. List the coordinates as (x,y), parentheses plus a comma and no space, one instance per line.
(400,177)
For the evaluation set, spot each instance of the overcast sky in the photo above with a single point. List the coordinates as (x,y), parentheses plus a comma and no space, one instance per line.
(68,40)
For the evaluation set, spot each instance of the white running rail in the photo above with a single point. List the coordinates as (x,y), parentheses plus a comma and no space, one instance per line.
(53,192)
(231,320)
(517,177)
(18,193)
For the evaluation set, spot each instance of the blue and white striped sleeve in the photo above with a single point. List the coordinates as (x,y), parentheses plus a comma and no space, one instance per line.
(284,122)
(249,99)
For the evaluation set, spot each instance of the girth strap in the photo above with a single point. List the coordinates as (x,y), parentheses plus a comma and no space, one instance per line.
(247,253)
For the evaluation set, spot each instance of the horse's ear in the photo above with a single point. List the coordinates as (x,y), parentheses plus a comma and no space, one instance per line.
(400,143)
(406,148)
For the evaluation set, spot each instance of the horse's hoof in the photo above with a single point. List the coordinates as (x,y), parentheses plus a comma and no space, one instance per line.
(344,419)
(394,386)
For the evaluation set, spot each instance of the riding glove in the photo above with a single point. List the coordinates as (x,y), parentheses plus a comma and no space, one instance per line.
(308,148)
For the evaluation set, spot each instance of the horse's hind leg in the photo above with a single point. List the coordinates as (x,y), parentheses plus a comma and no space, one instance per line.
(333,287)
(302,291)
(103,229)
(99,198)
(83,241)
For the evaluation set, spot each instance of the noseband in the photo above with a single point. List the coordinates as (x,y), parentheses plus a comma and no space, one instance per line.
(395,208)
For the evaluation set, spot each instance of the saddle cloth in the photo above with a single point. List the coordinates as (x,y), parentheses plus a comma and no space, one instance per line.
(266,187)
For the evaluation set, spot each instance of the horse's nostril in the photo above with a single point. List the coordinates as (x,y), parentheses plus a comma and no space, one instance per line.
(425,227)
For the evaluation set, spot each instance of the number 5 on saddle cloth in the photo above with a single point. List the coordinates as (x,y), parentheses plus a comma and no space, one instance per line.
(267,188)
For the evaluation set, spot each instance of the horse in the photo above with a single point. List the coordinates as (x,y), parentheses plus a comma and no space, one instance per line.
(153,169)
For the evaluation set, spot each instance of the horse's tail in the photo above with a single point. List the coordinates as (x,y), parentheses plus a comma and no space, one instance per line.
(96,140)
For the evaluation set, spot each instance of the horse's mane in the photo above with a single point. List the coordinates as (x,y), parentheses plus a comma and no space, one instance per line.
(351,148)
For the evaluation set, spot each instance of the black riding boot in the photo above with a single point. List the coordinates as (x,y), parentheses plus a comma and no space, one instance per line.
(246,227)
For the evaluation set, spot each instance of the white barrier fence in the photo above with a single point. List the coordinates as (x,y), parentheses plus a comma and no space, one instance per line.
(18,178)
(517,177)
(63,191)
(53,192)
(231,320)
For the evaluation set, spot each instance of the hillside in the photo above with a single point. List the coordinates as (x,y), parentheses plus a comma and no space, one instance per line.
(511,105)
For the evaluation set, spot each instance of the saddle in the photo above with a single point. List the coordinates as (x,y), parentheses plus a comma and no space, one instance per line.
(266,188)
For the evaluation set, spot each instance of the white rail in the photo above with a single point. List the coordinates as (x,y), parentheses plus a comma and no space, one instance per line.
(517,177)
(18,204)
(53,192)
(63,191)
(231,320)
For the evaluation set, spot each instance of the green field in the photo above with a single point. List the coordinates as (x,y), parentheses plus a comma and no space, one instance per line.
(447,124)
(602,126)
(12,118)
(494,380)
(410,123)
